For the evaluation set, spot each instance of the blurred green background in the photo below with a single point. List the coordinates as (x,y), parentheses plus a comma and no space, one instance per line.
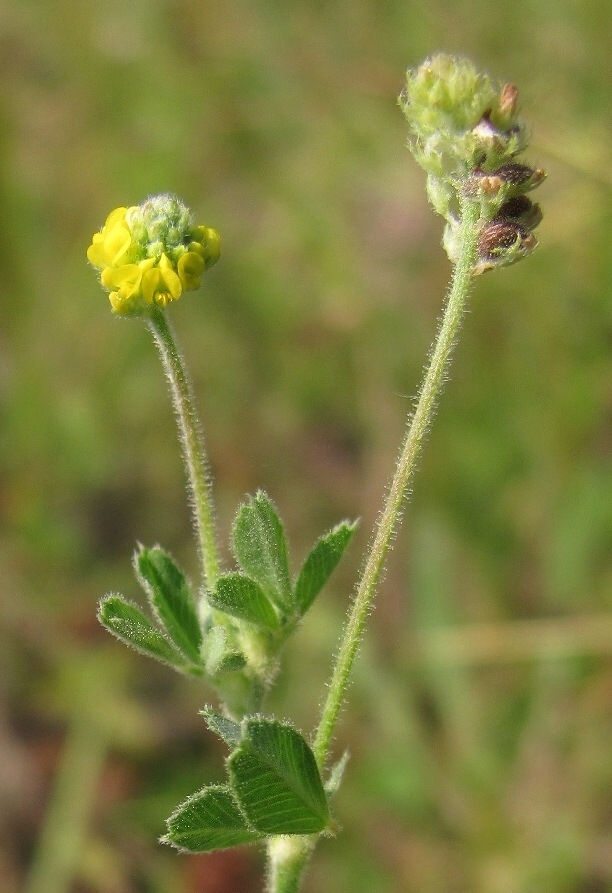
(480,722)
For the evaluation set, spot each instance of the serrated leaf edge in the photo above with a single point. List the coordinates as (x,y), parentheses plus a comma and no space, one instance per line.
(261,718)
(226,789)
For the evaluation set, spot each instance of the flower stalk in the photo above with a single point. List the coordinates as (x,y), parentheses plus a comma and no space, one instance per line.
(386,526)
(289,863)
(148,256)
(465,132)
(192,444)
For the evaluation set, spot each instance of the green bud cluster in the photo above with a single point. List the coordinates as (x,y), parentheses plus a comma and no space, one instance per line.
(161,225)
(465,133)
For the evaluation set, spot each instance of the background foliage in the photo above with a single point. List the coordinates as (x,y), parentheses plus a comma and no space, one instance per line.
(481,714)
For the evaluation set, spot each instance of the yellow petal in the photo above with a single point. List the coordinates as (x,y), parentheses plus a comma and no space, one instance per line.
(212,246)
(116,277)
(116,302)
(150,283)
(116,216)
(95,253)
(169,281)
(190,267)
(117,242)
(161,286)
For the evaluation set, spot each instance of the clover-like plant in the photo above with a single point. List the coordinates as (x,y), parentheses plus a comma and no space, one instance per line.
(229,629)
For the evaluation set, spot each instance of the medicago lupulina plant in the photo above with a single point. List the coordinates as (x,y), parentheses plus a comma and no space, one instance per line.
(230,628)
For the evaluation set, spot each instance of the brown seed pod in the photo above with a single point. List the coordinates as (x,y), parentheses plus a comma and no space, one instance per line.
(520,209)
(500,237)
(520,175)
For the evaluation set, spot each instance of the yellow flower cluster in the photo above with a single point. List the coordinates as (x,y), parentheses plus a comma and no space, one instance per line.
(150,254)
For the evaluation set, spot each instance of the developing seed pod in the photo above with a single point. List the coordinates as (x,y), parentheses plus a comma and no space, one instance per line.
(520,209)
(520,175)
(508,180)
(501,243)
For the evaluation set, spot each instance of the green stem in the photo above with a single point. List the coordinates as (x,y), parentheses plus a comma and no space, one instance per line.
(388,521)
(288,875)
(192,444)
(287,860)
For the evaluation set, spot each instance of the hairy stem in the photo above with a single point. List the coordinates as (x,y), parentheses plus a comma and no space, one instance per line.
(192,445)
(390,516)
(287,860)
(288,876)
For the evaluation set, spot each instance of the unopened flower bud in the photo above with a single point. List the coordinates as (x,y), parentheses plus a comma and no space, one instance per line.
(510,179)
(457,114)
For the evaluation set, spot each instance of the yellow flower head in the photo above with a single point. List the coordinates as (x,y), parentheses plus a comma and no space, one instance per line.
(150,254)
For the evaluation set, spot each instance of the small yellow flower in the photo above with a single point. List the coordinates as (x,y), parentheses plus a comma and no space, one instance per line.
(149,254)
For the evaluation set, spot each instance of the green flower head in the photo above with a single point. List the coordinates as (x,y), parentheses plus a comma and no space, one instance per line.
(465,132)
(150,254)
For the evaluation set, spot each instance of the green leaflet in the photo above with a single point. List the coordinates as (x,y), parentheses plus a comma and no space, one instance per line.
(171,599)
(321,562)
(276,780)
(243,598)
(127,622)
(260,547)
(209,820)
